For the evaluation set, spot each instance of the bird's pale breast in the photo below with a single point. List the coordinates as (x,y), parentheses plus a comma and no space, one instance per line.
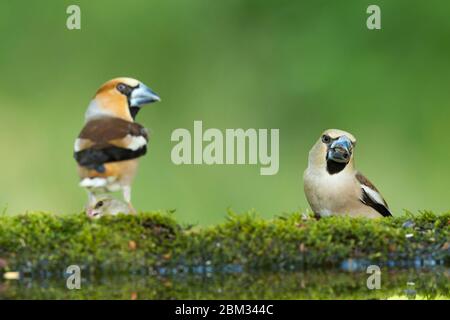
(335,194)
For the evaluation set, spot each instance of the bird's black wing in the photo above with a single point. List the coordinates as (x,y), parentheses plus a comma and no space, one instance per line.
(371,197)
(96,158)
(109,140)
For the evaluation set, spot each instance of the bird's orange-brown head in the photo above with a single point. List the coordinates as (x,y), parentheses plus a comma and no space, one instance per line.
(121,98)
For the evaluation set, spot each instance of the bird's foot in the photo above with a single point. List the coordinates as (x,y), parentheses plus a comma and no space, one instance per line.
(131,208)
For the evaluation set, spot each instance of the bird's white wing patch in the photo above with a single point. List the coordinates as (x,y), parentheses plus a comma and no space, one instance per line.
(77,146)
(93,182)
(136,142)
(375,196)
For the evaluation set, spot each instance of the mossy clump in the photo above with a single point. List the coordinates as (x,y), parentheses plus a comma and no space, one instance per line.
(155,242)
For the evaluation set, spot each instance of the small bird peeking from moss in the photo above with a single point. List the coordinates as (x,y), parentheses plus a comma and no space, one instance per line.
(107,206)
(332,184)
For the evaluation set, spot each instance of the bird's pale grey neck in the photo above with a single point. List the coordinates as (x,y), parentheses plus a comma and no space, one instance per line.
(95,111)
(334,167)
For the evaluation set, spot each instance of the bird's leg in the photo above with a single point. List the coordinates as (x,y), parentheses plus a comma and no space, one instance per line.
(91,199)
(127,198)
(90,203)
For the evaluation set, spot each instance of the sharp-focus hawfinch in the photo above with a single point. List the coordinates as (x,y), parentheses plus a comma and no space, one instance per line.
(110,142)
(332,184)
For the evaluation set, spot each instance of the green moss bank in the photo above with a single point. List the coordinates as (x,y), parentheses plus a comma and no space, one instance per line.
(156,243)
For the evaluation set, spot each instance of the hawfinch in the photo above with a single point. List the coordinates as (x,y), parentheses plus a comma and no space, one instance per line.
(107,206)
(110,142)
(332,184)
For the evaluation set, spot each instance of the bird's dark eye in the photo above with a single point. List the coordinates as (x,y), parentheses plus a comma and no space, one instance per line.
(99,204)
(326,139)
(124,89)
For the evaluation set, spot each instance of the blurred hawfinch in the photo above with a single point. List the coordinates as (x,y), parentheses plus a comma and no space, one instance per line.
(332,184)
(107,206)
(110,142)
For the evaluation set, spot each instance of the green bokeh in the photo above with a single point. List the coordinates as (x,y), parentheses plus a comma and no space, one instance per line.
(300,66)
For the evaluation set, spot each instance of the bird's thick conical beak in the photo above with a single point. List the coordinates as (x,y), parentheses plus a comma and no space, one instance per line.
(340,150)
(91,213)
(143,95)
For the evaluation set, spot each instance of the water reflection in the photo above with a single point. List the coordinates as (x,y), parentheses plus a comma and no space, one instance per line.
(414,283)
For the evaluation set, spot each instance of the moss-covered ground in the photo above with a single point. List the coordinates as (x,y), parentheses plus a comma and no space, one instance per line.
(156,243)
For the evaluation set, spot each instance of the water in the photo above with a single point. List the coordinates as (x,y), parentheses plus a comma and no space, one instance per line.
(343,283)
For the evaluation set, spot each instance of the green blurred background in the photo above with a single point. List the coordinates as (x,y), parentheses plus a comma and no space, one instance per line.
(300,66)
